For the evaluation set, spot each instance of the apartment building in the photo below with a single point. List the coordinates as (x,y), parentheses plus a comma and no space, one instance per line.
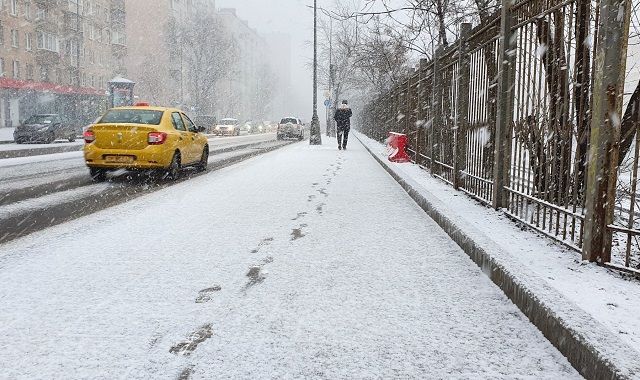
(243,93)
(57,56)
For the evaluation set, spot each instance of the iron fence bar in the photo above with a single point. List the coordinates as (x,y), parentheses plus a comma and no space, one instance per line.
(545,233)
(547,204)
(632,271)
(506,73)
(628,231)
(634,184)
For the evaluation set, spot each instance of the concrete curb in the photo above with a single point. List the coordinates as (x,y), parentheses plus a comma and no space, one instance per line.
(591,350)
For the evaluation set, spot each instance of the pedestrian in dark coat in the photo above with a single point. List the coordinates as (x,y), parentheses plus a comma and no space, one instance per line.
(342,115)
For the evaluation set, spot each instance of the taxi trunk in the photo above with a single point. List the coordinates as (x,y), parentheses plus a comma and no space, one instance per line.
(122,136)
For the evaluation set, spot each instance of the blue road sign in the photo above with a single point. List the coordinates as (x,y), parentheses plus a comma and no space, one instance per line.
(326,102)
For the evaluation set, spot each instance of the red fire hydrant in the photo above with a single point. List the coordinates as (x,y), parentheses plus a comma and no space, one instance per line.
(395,149)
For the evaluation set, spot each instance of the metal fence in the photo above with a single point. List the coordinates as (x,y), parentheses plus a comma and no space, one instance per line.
(505,114)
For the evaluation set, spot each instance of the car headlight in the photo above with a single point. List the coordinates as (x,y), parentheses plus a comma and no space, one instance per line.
(43,129)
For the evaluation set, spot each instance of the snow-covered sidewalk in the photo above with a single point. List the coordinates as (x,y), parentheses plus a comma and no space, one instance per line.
(6,135)
(306,262)
(597,307)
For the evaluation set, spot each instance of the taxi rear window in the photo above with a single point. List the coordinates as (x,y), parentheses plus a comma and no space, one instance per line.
(132,116)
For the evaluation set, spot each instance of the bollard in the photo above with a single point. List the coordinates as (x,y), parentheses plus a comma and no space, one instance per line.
(395,150)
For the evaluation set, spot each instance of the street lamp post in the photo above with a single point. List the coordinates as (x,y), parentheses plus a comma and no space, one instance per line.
(315,138)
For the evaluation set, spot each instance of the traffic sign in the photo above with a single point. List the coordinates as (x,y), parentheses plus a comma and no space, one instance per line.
(326,102)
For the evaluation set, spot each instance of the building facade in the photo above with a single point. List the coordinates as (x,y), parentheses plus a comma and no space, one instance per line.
(246,92)
(57,56)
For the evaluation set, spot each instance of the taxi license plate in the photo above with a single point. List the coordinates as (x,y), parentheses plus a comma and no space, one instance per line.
(118,158)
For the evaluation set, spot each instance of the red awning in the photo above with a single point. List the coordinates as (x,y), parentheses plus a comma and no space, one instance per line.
(47,87)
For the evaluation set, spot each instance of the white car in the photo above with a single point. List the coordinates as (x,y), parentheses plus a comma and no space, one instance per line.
(290,127)
(227,127)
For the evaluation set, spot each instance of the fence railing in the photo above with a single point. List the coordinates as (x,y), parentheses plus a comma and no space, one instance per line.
(508,114)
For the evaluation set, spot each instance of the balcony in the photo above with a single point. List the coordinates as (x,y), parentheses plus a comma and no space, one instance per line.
(118,50)
(47,57)
(48,4)
(117,4)
(46,25)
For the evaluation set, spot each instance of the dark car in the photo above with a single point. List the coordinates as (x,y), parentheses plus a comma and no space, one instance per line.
(44,128)
(207,121)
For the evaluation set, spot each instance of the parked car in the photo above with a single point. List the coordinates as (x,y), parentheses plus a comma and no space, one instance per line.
(142,137)
(207,121)
(227,127)
(44,128)
(290,127)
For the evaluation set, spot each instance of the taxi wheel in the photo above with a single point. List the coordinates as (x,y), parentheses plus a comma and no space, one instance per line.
(51,138)
(174,168)
(204,160)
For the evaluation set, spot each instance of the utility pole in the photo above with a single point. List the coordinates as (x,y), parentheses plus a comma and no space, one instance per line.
(315,137)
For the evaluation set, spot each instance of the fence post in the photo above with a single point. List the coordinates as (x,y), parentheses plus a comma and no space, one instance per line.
(506,81)
(420,110)
(462,108)
(407,124)
(608,88)
(436,108)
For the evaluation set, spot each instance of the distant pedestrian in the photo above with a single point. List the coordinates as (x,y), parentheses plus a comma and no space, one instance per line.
(342,115)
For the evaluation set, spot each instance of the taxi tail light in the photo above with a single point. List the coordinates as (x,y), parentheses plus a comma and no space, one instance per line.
(89,137)
(156,138)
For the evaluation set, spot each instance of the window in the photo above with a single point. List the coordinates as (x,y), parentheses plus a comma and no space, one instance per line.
(1,63)
(177,121)
(75,5)
(190,126)
(28,41)
(29,71)
(44,73)
(14,38)
(118,38)
(47,41)
(13,7)
(27,11)
(16,69)
(1,32)
(41,14)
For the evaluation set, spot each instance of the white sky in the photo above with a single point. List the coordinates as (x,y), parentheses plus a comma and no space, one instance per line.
(350,277)
(292,17)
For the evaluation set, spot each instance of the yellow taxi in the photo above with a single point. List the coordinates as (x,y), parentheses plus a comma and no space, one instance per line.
(143,137)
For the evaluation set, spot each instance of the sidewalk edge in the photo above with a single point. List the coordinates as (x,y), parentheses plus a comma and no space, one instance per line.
(594,355)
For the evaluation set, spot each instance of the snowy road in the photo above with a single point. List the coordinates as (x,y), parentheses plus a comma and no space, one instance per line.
(306,262)
(43,190)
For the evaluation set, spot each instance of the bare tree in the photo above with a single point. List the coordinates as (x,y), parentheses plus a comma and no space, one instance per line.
(209,54)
